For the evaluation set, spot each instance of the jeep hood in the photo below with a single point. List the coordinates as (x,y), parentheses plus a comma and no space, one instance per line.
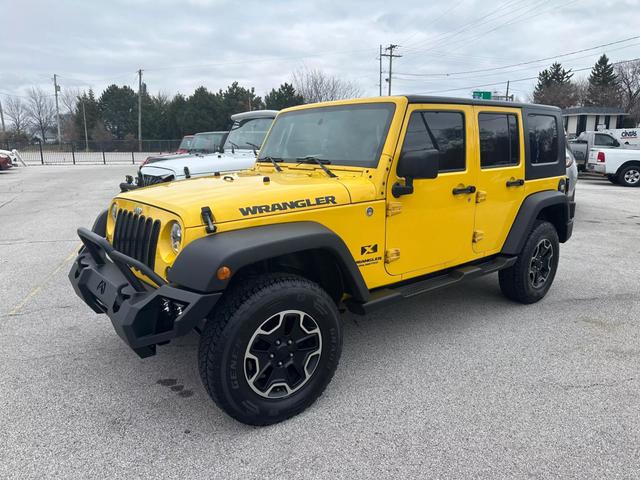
(200,164)
(247,195)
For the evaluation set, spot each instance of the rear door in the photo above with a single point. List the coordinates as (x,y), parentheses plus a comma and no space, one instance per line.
(501,177)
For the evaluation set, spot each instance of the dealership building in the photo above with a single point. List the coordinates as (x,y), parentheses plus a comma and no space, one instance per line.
(580,119)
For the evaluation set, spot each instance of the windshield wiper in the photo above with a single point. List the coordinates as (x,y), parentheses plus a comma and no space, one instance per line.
(233,145)
(318,161)
(255,147)
(273,160)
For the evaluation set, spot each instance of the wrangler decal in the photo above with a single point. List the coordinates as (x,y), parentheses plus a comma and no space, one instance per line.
(282,206)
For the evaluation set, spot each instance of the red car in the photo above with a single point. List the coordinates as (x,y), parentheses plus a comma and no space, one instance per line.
(5,162)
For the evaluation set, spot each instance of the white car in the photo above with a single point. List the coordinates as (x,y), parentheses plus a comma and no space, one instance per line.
(620,166)
(238,152)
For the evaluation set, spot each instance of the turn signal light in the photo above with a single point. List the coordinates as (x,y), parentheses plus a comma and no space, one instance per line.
(223,273)
(601,156)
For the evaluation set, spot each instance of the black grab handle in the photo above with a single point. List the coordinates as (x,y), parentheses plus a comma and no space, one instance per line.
(463,190)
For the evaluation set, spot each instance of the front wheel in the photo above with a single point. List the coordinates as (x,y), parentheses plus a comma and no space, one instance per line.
(630,176)
(271,348)
(530,278)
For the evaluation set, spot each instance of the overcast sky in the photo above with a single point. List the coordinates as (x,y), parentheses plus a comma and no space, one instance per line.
(182,45)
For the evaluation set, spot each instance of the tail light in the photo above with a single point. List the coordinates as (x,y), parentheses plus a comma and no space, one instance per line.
(600,157)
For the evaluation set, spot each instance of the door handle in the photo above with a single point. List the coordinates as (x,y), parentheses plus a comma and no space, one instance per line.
(515,183)
(464,190)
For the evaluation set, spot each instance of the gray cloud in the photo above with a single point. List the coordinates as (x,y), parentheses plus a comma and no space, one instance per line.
(182,45)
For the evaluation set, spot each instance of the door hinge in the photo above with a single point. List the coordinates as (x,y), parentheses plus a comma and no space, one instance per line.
(393,208)
(391,255)
(481,196)
(477,235)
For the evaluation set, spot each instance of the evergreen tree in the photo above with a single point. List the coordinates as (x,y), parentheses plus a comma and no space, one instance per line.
(201,112)
(285,96)
(119,111)
(555,87)
(603,88)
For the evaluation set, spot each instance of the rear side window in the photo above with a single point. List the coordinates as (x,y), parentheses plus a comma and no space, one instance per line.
(442,131)
(543,138)
(499,140)
(605,140)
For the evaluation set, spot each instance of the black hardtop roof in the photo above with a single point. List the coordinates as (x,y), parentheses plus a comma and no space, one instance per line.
(473,101)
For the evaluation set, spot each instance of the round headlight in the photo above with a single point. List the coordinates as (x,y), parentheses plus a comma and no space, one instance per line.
(114,212)
(176,236)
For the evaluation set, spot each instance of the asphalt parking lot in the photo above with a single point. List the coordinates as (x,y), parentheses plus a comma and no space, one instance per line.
(456,384)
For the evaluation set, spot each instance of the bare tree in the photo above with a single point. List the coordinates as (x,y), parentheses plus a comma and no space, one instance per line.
(316,86)
(16,110)
(41,111)
(628,74)
(69,98)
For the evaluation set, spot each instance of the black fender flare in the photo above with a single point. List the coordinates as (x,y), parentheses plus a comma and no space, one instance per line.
(528,213)
(100,224)
(196,265)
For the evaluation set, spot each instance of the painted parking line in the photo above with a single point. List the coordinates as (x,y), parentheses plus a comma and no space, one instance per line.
(38,288)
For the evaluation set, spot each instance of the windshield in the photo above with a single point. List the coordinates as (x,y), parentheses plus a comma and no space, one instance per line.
(350,135)
(206,142)
(247,132)
(185,144)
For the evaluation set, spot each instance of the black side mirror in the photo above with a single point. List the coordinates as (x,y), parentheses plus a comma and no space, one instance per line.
(415,165)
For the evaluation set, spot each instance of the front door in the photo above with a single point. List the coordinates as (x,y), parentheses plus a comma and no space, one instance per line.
(432,227)
(500,180)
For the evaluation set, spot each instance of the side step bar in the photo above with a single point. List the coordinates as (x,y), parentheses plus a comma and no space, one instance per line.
(385,296)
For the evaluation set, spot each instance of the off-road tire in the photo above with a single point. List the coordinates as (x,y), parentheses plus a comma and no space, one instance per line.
(236,320)
(629,176)
(515,281)
(613,179)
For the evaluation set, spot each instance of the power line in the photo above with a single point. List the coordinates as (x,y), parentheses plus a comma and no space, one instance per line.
(467,26)
(448,74)
(513,81)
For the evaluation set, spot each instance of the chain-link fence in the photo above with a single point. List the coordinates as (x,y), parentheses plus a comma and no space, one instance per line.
(94,152)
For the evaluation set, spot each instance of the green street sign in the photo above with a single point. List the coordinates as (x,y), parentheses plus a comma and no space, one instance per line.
(482,95)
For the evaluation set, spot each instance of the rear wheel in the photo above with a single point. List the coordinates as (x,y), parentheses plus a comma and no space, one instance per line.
(530,278)
(271,349)
(630,176)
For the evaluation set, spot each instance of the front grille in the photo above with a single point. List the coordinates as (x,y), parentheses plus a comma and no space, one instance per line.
(147,180)
(137,236)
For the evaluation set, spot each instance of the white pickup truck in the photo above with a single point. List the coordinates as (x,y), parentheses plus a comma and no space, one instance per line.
(620,165)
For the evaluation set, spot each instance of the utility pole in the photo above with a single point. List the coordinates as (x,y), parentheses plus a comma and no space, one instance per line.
(380,79)
(140,110)
(2,117)
(507,94)
(57,89)
(391,56)
(86,137)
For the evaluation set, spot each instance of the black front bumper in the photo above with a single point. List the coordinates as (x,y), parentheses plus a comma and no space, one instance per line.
(143,316)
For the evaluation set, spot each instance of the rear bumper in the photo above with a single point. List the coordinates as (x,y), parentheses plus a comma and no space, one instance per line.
(597,168)
(143,316)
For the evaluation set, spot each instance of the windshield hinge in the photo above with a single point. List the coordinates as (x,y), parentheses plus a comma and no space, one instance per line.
(394,208)
(392,255)
(207,218)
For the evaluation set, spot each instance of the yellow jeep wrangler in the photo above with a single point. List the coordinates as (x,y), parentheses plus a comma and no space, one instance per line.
(351,204)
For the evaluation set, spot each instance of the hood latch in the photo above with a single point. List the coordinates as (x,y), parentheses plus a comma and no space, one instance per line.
(207,218)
